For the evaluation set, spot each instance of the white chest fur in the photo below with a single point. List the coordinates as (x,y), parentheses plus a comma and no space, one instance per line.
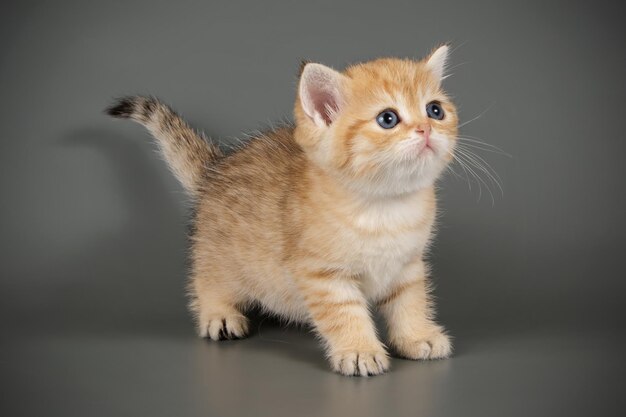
(385,236)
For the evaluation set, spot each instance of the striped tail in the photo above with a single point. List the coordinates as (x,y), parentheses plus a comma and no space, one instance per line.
(186,151)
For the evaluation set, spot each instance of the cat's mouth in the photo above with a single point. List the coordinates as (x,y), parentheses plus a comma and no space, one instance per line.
(426,146)
(420,147)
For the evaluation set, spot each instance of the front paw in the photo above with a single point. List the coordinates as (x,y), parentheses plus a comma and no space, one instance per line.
(359,363)
(429,345)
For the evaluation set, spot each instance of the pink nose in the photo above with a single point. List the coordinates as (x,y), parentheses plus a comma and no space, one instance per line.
(424,130)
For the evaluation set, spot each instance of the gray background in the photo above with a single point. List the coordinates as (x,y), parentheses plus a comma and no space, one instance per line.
(93,236)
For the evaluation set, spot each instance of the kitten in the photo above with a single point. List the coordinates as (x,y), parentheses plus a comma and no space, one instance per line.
(319,222)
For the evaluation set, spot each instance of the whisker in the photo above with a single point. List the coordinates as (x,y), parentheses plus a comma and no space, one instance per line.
(469,169)
(477,117)
(483,147)
(473,141)
(485,164)
(478,177)
(484,167)
(469,183)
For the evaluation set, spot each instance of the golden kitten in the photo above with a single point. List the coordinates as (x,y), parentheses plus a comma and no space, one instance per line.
(320,222)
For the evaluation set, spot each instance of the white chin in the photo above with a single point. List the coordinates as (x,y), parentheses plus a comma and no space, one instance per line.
(422,174)
(430,170)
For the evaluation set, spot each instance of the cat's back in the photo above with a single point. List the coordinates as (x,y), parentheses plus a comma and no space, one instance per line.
(249,184)
(267,160)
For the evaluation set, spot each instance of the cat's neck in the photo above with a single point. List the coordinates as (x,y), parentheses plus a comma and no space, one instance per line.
(341,191)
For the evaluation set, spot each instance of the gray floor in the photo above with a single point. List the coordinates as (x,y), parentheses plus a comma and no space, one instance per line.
(280,372)
(529,281)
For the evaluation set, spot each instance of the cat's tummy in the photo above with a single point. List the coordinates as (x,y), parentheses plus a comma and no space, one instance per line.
(375,242)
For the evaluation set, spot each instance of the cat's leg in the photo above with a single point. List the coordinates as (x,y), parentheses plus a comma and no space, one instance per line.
(408,310)
(339,312)
(216,301)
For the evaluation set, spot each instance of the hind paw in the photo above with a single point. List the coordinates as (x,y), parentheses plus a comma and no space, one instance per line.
(224,328)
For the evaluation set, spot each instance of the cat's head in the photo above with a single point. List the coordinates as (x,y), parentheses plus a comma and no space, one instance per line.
(385,127)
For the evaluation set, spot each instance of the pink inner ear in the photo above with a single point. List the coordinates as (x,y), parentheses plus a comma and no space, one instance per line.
(320,93)
(325,104)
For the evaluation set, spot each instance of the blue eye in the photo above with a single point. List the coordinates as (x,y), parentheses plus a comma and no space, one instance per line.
(434,110)
(387,119)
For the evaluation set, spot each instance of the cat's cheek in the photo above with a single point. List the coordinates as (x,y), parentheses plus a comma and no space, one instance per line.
(443,147)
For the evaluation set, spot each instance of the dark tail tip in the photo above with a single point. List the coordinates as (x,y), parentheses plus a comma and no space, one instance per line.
(123,108)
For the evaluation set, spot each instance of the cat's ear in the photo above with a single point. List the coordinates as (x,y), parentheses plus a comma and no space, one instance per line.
(437,61)
(321,93)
